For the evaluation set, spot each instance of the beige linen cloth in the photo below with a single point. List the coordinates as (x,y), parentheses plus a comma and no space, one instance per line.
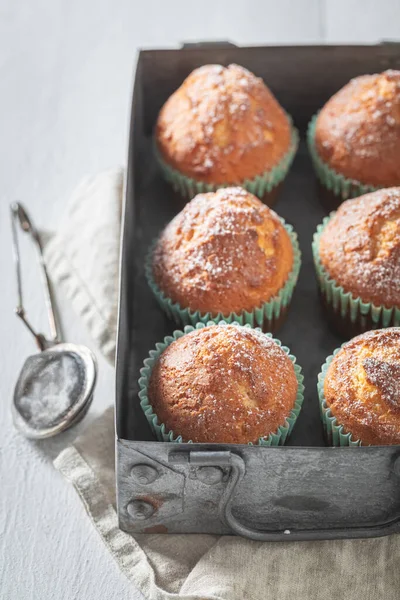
(82,258)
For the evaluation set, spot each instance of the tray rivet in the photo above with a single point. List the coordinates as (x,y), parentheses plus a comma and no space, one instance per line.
(396,465)
(144,474)
(209,475)
(140,509)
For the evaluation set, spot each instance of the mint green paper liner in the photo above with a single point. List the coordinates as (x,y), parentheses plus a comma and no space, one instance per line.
(345,303)
(164,435)
(267,312)
(259,186)
(331,179)
(334,432)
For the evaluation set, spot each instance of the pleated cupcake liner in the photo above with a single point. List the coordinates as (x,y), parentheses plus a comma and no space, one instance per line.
(267,313)
(259,186)
(334,431)
(344,303)
(160,430)
(335,182)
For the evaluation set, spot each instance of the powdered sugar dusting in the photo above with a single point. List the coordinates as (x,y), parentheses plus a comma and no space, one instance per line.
(221,114)
(360,247)
(51,386)
(224,242)
(362,386)
(358,130)
(235,86)
(236,384)
(386,377)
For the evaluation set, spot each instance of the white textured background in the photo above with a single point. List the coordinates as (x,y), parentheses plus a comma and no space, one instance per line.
(65,77)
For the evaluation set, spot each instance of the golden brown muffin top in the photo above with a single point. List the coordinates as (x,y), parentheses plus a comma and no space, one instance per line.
(362,387)
(223,125)
(223,383)
(358,130)
(360,247)
(224,252)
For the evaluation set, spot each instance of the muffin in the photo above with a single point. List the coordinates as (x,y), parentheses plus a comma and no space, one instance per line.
(355,139)
(221,383)
(357,259)
(359,390)
(223,126)
(225,256)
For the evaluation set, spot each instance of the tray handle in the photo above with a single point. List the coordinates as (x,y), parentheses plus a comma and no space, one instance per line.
(215,466)
(237,472)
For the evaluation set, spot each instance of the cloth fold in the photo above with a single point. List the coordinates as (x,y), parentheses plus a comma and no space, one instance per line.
(82,257)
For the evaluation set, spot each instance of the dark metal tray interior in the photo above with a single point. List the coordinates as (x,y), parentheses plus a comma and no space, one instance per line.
(302,78)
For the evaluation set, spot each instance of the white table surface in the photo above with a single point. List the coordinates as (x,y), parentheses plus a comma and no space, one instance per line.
(65,78)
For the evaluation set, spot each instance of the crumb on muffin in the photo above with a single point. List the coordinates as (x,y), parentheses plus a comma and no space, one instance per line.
(360,247)
(222,125)
(358,130)
(223,383)
(362,387)
(224,252)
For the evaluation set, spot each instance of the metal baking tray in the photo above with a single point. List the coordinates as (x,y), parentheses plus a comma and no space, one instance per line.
(303,490)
